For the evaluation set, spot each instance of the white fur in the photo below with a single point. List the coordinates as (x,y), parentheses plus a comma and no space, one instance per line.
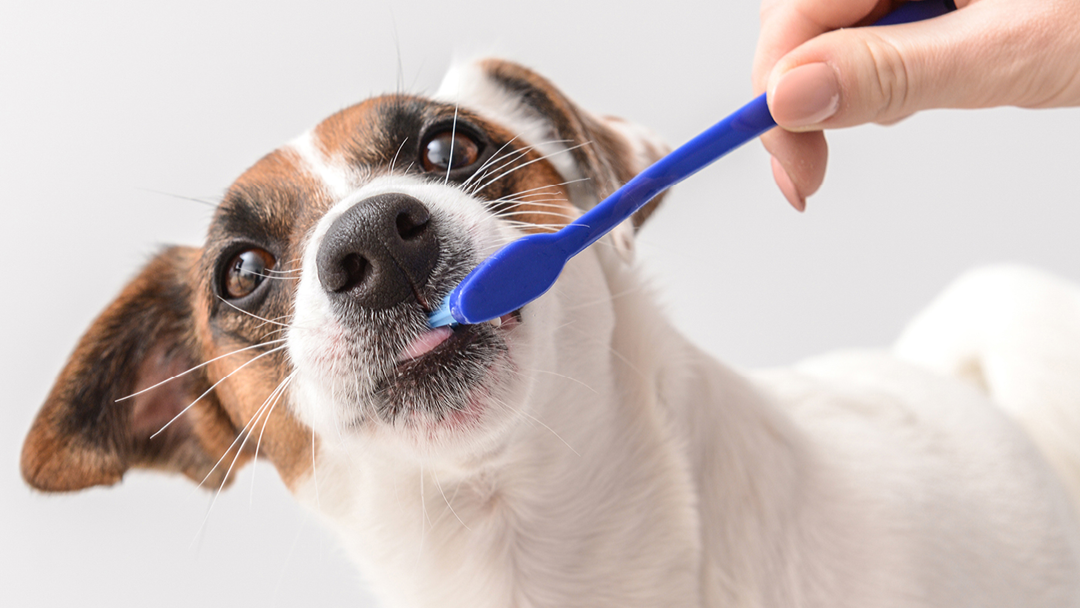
(333,174)
(630,469)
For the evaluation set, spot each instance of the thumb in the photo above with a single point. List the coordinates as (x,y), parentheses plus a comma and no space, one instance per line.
(974,57)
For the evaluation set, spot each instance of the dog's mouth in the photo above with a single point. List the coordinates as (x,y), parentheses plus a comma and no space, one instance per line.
(446,372)
(436,341)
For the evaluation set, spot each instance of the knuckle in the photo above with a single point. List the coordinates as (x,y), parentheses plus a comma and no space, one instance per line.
(889,83)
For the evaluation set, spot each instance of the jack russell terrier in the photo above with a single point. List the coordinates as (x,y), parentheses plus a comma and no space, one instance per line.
(577,452)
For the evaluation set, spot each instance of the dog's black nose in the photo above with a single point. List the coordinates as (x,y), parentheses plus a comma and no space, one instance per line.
(378,253)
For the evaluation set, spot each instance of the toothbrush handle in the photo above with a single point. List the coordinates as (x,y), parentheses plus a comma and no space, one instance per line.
(745,124)
(524,269)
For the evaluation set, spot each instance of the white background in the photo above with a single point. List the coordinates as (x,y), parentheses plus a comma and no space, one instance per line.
(105,105)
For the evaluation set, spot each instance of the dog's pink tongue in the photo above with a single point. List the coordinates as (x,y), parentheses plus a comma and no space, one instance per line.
(425,343)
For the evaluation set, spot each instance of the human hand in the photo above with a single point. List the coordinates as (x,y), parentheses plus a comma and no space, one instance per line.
(988,53)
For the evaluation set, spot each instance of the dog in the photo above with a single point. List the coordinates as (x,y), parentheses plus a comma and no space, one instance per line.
(578,451)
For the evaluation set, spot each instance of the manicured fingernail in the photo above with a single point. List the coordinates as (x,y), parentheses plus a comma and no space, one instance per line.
(787,187)
(806,96)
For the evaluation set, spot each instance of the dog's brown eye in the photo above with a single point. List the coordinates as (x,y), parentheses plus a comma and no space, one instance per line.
(246,271)
(448,151)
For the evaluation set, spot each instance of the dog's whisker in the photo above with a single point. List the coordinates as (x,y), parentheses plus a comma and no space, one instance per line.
(520,224)
(571,378)
(522,412)
(618,355)
(274,332)
(552,203)
(535,160)
(438,485)
(540,189)
(215,385)
(531,212)
(488,162)
(400,80)
(555,199)
(314,472)
(510,157)
(255,316)
(193,199)
(393,161)
(252,423)
(274,278)
(250,314)
(607,299)
(246,435)
(453,136)
(199,366)
(424,514)
(280,390)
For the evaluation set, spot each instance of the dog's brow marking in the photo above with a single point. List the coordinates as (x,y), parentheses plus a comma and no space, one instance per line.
(334,178)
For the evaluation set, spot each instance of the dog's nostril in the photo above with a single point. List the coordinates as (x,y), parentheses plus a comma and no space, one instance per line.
(410,224)
(353,270)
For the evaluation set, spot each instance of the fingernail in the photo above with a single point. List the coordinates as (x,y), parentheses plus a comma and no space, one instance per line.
(806,96)
(787,187)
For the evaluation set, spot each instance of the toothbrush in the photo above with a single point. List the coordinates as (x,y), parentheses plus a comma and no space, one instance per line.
(524,269)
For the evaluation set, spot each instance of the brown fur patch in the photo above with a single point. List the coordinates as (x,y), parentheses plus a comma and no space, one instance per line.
(521,187)
(84,435)
(603,155)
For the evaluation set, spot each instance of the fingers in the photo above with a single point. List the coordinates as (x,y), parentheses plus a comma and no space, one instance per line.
(798,163)
(990,53)
(799,159)
(786,24)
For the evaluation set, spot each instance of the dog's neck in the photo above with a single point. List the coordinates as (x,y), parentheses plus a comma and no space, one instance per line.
(609,478)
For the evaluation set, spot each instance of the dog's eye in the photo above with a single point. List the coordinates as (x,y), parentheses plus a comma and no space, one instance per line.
(246,271)
(449,150)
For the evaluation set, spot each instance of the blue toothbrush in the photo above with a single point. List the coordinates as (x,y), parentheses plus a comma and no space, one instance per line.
(524,269)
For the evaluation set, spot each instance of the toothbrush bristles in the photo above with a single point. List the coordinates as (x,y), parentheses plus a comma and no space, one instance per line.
(441,316)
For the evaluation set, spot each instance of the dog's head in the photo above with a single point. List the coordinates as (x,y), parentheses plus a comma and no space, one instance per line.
(304,315)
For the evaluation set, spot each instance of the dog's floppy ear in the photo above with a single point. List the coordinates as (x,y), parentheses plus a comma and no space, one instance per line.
(606,151)
(83,436)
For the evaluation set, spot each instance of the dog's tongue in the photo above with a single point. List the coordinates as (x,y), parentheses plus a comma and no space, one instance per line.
(425,343)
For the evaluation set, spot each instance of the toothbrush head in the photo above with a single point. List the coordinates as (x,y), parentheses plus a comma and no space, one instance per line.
(441,316)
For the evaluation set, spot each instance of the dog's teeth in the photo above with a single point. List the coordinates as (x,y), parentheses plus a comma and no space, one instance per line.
(496,322)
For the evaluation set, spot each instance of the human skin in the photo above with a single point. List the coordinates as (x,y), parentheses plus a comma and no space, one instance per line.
(819,75)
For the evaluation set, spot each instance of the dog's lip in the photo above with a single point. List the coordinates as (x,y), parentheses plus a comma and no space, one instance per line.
(433,338)
(425,343)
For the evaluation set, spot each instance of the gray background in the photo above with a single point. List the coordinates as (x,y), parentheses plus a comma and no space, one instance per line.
(103,106)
